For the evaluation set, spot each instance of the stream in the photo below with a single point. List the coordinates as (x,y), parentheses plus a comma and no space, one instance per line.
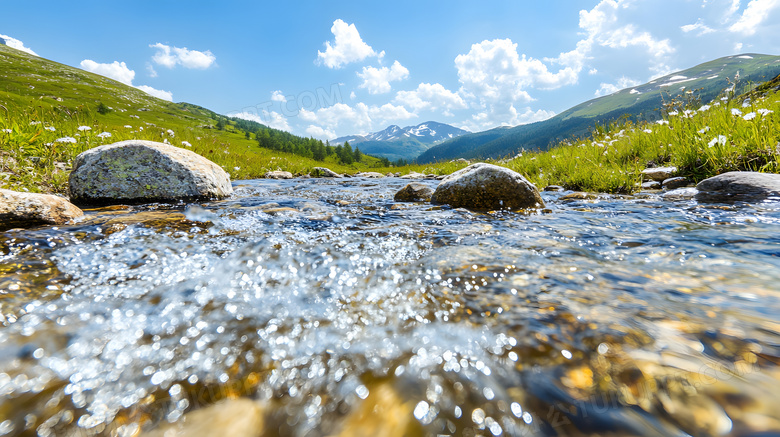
(337,311)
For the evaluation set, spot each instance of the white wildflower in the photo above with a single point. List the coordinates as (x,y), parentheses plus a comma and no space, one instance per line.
(186,144)
(166,141)
(140,128)
(749,116)
(746,103)
(65,140)
(716,104)
(703,130)
(33,123)
(104,135)
(127,126)
(50,128)
(236,168)
(84,128)
(647,131)
(735,112)
(673,113)
(6,131)
(170,132)
(704,108)
(720,139)
(688,113)
(765,112)
(662,122)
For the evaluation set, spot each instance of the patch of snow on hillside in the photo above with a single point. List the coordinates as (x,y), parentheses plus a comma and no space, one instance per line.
(634,91)
(712,77)
(745,57)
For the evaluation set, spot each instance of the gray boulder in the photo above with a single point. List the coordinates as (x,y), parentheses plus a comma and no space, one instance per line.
(414,192)
(673,183)
(22,210)
(413,175)
(322,172)
(687,193)
(370,175)
(279,175)
(487,187)
(658,173)
(651,185)
(739,186)
(137,171)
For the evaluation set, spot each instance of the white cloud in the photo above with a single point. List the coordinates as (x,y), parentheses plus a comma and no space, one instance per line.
(500,115)
(347,119)
(277,96)
(169,57)
(622,83)
(150,69)
(15,44)
(245,115)
(377,80)
(430,97)
(160,94)
(389,112)
(756,12)
(115,70)
(320,133)
(699,26)
(268,118)
(347,47)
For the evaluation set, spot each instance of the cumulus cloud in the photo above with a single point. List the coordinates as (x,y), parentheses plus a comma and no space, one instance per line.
(431,97)
(170,57)
(160,94)
(353,119)
(377,80)
(320,133)
(504,115)
(115,70)
(15,44)
(347,47)
(389,112)
(120,72)
(278,96)
(622,83)
(756,12)
(271,119)
(699,27)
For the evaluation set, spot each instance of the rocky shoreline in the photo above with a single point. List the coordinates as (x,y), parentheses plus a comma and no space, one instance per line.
(137,172)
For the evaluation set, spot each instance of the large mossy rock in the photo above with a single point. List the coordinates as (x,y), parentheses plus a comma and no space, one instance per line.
(487,187)
(22,210)
(144,171)
(744,186)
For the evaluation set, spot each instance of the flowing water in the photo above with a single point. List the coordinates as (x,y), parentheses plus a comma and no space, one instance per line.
(337,311)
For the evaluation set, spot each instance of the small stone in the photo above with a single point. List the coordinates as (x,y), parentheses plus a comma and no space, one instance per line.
(672,183)
(279,175)
(579,195)
(414,192)
(680,194)
(22,210)
(370,175)
(554,188)
(136,171)
(658,173)
(413,175)
(739,186)
(651,185)
(487,187)
(322,172)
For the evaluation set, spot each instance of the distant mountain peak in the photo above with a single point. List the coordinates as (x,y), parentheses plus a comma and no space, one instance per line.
(428,133)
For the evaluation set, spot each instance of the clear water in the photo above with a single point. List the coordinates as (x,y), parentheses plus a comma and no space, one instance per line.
(615,316)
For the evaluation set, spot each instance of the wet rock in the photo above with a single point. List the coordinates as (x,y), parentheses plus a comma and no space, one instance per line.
(279,175)
(554,188)
(370,174)
(487,186)
(414,192)
(680,194)
(413,175)
(144,171)
(673,183)
(322,172)
(658,173)
(739,186)
(579,195)
(651,185)
(390,175)
(21,210)
(234,418)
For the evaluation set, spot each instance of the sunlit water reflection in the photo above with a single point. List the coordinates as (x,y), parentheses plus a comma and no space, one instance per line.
(322,300)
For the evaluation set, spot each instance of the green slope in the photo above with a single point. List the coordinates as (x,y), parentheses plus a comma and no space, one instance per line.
(42,101)
(643,102)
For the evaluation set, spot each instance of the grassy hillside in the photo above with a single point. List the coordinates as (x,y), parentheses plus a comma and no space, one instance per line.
(639,103)
(49,113)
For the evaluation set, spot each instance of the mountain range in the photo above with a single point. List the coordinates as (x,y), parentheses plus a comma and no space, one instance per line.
(644,102)
(406,143)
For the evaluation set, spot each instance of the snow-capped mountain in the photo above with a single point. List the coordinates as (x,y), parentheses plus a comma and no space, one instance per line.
(428,133)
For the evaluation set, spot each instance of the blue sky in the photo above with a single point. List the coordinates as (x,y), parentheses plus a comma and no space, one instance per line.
(327,69)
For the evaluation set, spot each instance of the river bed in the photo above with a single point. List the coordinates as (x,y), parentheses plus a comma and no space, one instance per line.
(333,310)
